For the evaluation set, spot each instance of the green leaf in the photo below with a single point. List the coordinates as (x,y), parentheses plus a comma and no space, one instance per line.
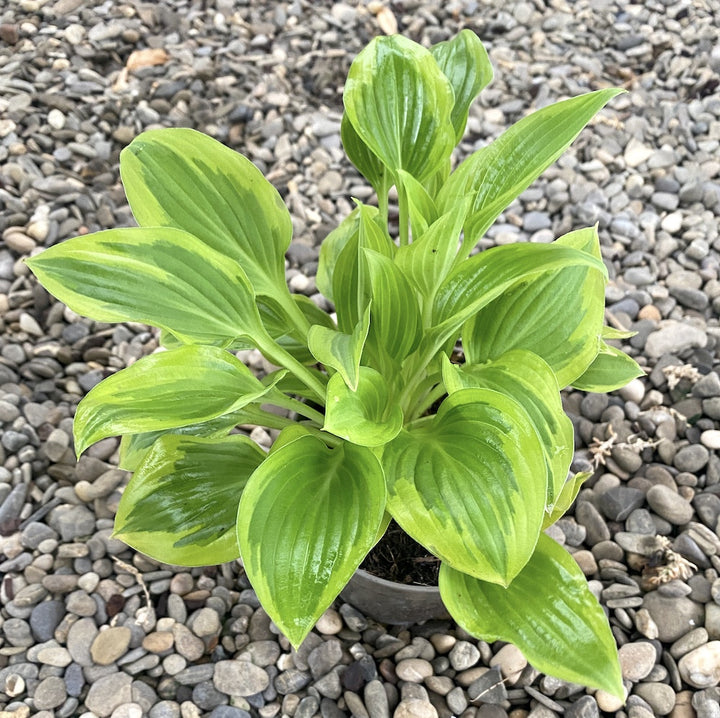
(306,520)
(427,261)
(548,612)
(470,485)
(367,163)
(159,275)
(134,447)
(496,174)
(351,283)
(180,506)
(174,388)
(396,324)
(565,500)
(465,62)
(558,316)
(182,178)
(366,416)
(287,335)
(611,369)
(487,275)
(399,102)
(613,333)
(529,380)
(331,249)
(421,206)
(341,351)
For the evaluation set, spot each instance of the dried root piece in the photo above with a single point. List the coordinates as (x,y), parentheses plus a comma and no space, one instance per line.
(666,565)
(676,373)
(601,449)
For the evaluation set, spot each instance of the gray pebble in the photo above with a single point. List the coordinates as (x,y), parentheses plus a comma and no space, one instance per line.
(669,505)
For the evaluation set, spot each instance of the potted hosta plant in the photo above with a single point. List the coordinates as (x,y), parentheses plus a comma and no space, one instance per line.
(469,453)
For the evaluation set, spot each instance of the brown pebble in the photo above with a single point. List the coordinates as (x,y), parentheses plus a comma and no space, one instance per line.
(650,311)
(9,33)
(158,641)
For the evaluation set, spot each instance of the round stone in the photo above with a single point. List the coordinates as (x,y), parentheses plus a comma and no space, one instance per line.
(415,709)
(659,696)
(50,693)
(701,668)
(206,623)
(240,678)
(669,505)
(109,692)
(463,655)
(672,617)
(413,670)
(511,662)
(637,660)
(691,458)
(110,644)
(330,623)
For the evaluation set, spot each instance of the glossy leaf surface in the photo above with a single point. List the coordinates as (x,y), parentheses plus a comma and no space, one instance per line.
(165,390)
(529,380)
(300,553)
(180,506)
(558,316)
(464,61)
(564,501)
(361,155)
(611,369)
(134,447)
(159,276)
(548,612)
(340,351)
(421,206)
(182,178)
(399,103)
(365,416)
(470,485)
(487,275)
(499,172)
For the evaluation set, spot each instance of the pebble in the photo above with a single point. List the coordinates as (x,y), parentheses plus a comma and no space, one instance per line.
(239,678)
(669,505)
(637,660)
(700,667)
(110,644)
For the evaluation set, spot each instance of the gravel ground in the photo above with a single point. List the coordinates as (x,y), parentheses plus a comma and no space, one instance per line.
(88,627)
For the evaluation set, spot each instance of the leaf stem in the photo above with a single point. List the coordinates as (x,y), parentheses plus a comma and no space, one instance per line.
(287,402)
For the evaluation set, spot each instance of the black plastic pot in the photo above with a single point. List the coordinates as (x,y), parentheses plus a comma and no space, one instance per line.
(393,603)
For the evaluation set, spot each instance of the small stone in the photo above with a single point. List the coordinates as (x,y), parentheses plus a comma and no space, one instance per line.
(659,696)
(701,667)
(668,504)
(673,617)
(463,655)
(585,707)
(49,693)
(488,688)
(45,618)
(637,660)
(674,337)
(239,678)
(414,670)
(109,692)
(158,641)
(325,657)
(206,622)
(415,709)
(330,623)
(110,644)
(511,662)
(689,642)
(691,458)
(376,700)
(291,681)
(619,502)
(186,644)
(54,656)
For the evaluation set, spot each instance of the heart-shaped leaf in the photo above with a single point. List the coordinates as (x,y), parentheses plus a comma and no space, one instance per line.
(182,386)
(558,316)
(529,380)
(466,64)
(300,553)
(399,102)
(470,485)
(182,178)
(180,506)
(548,612)
(366,416)
(159,275)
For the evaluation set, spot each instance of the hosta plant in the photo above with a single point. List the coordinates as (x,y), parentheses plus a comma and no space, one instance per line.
(469,451)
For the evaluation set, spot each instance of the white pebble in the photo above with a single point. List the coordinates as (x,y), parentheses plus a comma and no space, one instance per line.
(56,119)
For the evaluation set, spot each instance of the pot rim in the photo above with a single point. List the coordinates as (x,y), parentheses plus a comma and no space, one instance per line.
(411,588)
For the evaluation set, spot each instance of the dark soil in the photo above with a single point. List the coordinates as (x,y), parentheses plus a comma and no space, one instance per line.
(397,557)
